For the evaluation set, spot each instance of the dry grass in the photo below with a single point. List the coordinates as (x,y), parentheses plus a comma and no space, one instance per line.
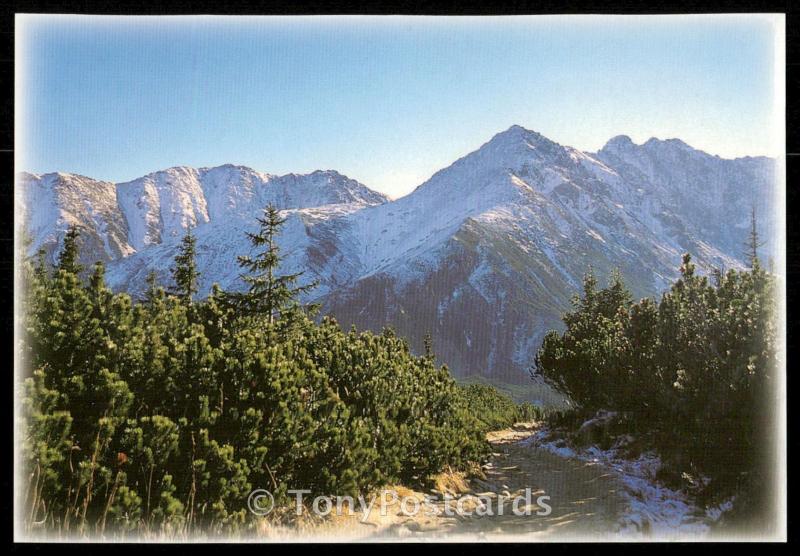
(512,434)
(455,482)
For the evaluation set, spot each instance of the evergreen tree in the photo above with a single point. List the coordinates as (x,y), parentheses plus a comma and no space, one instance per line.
(153,292)
(268,293)
(694,370)
(158,417)
(185,273)
(428,345)
(40,269)
(753,243)
(68,258)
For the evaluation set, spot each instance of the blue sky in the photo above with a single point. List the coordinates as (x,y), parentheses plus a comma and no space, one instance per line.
(387,101)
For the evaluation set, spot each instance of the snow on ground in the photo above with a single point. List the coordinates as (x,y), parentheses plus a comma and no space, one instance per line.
(653,508)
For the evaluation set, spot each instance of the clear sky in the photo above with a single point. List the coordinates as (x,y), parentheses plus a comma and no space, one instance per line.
(387,101)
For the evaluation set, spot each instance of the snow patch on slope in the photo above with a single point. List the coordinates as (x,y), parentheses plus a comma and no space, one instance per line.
(664,512)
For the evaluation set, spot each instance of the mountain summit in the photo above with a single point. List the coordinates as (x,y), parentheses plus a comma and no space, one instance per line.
(484,256)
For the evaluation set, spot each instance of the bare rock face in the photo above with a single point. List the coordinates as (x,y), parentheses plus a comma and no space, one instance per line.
(48,205)
(484,256)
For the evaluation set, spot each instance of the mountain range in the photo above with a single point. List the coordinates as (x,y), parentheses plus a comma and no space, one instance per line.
(484,256)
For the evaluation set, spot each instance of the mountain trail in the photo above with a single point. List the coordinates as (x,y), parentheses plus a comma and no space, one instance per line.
(585,501)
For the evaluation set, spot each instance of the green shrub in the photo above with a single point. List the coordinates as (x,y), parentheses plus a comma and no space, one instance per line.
(694,369)
(494,410)
(164,414)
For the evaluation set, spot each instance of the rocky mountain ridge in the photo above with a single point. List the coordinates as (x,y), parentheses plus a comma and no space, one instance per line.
(484,255)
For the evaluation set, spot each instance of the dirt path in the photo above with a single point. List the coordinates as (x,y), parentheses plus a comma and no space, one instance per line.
(586,501)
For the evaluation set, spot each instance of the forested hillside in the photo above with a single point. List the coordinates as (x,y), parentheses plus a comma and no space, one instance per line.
(692,375)
(158,415)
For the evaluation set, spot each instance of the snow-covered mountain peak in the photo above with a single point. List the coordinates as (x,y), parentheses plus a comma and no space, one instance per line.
(126,218)
(53,178)
(332,174)
(172,173)
(623,147)
(517,132)
(670,144)
(619,143)
(227,167)
(517,137)
(499,166)
(485,254)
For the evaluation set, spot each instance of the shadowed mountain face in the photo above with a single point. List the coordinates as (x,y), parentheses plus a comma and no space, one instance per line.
(484,256)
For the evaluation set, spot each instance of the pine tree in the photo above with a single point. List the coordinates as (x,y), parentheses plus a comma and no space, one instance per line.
(68,258)
(752,244)
(269,293)
(40,265)
(99,294)
(428,345)
(717,274)
(153,292)
(694,368)
(159,416)
(185,273)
